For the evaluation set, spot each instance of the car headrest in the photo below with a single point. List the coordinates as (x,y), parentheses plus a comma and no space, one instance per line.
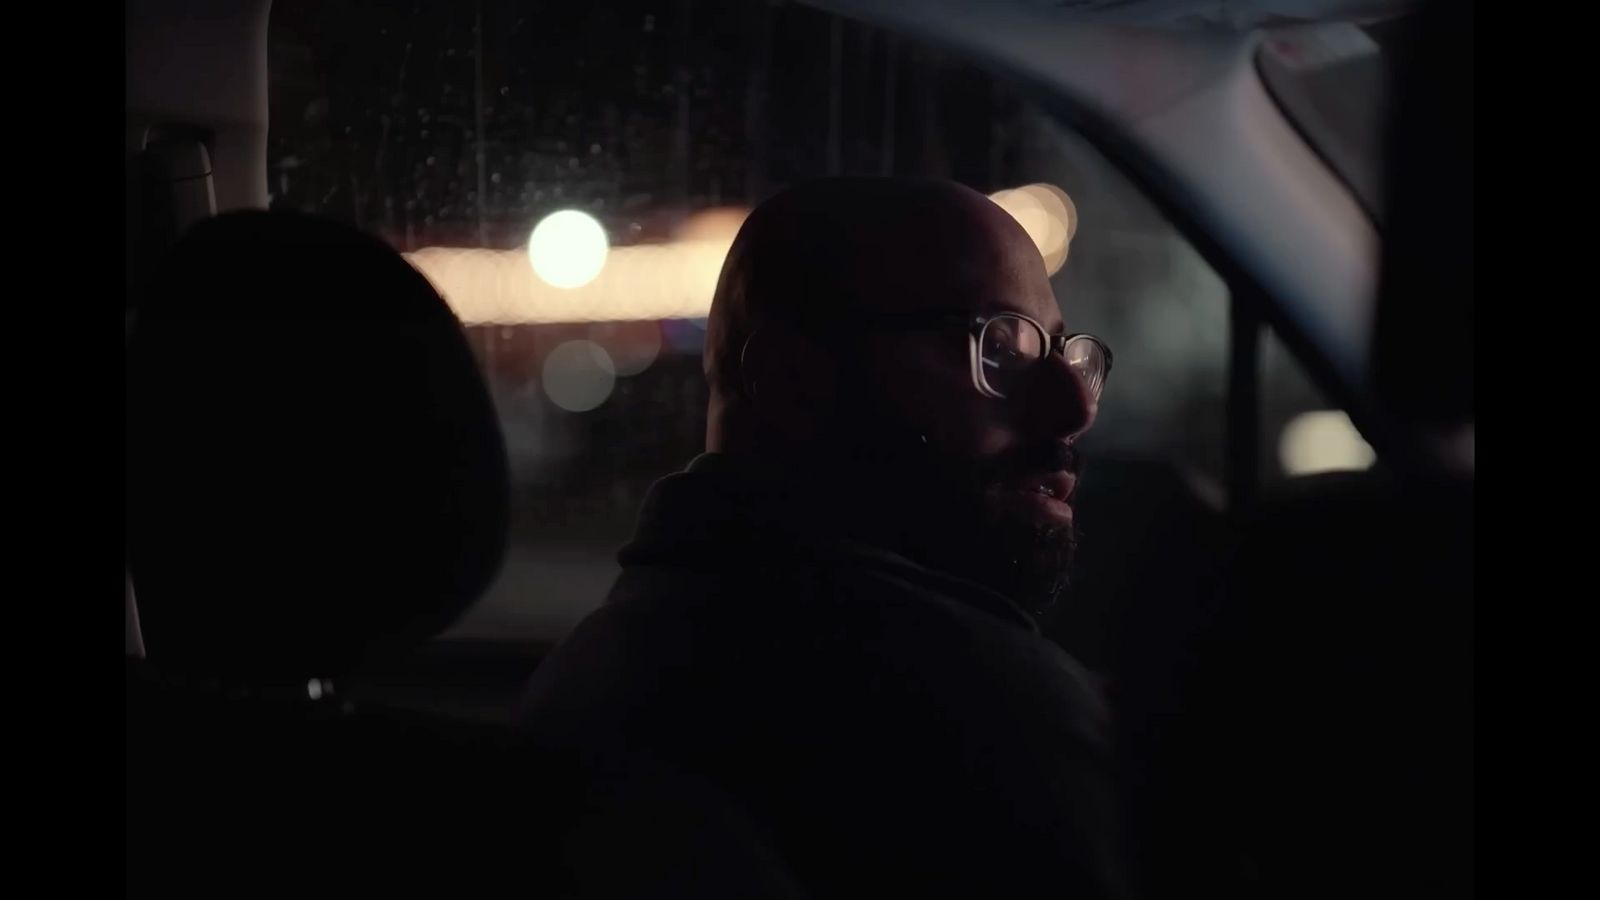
(315,472)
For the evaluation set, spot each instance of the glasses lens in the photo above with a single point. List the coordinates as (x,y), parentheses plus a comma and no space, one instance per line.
(1088,359)
(1009,348)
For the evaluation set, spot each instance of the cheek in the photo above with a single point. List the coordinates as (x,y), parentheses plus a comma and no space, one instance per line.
(973,429)
(933,394)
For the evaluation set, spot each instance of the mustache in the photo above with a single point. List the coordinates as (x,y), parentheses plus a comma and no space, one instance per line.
(897,448)
(1046,456)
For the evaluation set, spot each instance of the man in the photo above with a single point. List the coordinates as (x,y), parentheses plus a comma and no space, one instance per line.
(829,618)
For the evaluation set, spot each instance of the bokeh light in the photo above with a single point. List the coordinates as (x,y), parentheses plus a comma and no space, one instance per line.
(1063,216)
(568,248)
(581,279)
(579,375)
(632,346)
(1047,214)
(1323,441)
(715,224)
(686,336)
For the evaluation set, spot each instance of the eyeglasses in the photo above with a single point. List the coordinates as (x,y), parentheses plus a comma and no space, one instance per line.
(1006,348)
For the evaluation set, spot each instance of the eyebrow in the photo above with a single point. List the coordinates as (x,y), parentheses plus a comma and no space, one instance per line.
(955,315)
(1060,326)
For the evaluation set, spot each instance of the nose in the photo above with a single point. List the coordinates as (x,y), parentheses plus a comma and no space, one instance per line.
(1061,405)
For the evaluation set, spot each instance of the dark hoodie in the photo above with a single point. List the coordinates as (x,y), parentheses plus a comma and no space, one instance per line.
(886,729)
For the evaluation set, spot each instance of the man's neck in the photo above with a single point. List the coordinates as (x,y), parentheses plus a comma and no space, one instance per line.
(906,513)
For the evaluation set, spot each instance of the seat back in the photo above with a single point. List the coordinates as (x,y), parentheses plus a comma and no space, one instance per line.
(315,480)
(315,472)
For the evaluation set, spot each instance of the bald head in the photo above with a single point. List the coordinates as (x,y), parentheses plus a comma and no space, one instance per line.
(843,349)
(823,250)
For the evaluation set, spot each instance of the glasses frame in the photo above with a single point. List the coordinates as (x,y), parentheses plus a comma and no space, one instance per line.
(976,325)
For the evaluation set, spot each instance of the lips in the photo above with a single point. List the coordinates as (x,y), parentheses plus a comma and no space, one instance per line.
(1055,485)
(1044,497)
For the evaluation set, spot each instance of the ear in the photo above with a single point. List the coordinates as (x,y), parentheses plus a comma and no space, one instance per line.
(790,380)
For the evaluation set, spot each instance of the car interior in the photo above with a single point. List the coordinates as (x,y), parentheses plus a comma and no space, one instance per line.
(368,484)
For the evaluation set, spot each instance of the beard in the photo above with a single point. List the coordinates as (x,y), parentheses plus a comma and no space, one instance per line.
(948,513)
(1029,561)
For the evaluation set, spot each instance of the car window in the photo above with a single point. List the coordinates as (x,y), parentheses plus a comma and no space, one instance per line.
(1302,432)
(570,178)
